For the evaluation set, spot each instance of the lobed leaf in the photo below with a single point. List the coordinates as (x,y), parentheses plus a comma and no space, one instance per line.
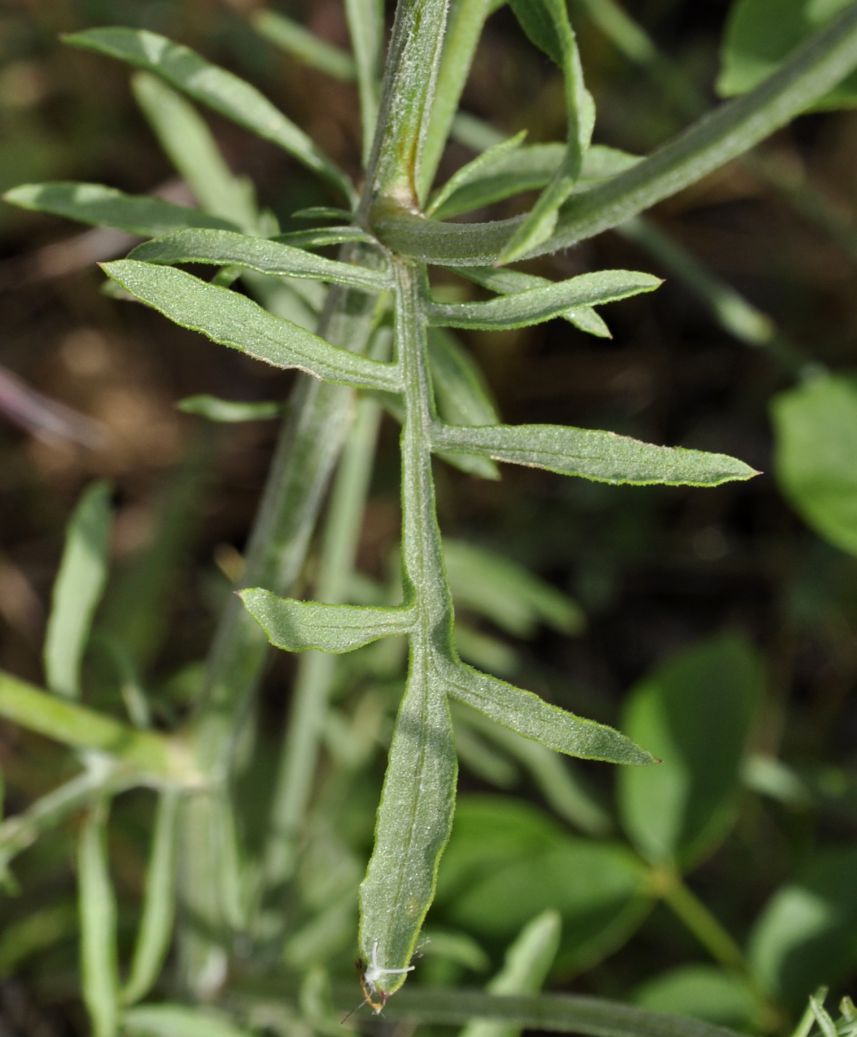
(235,321)
(532,717)
(77,589)
(593,454)
(102,206)
(412,827)
(228,248)
(296,626)
(511,282)
(535,305)
(97,905)
(215,87)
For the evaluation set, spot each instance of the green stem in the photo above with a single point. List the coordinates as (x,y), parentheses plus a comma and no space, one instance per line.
(710,143)
(154,757)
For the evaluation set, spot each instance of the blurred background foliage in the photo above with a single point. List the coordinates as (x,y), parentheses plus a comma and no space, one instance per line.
(717,628)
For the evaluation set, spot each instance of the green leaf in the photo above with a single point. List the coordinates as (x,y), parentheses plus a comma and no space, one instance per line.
(166,1020)
(505,852)
(525,969)
(235,321)
(298,625)
(548,300)
(411,830)
(321,237)
(546,23)
(532,717)
(159,904)
(694,712)
(228,411)
(493,585)
(759,38)
(366,29)
(97,904)
(593,454)
(103,206)
(815,445)
(705,991)
(77,589)
(215,87)
(228,248)
(806,933)
(461,395)
(474,170)
(294,39)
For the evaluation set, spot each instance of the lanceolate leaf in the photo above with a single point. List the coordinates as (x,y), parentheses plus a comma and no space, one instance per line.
(97,903)
(366,29)
(593,454)
(303,44)
(474,171)
(532,717)
(215,87)
(228,411)
(298,625)
(103,206)
(227,248)
(234,320)
(508,282)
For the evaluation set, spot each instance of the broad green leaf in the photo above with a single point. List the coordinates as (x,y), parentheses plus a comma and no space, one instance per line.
(227,248)
(548,300)
(504,171)
(593,454)
(413,58)
(411,830)
(103,206)
(704,991)
(298,625)
(815,447)
(546,23)
(505,852)
(77,589)
(216,409)
(510,282)
(234,320)
(159,904)
(366,29)
(166,1020)
(807,933)
(464,28)
(190,145)
(461,395)
(532,717)
(294,39)
(554,1013)
(493,585)
(97,905)
(759,38)
(525,969)
(215,87)
(695,713)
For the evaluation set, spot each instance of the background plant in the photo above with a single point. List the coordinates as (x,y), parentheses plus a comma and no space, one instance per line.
(215,883)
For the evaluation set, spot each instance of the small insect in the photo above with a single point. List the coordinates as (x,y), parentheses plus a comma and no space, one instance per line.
(370,975)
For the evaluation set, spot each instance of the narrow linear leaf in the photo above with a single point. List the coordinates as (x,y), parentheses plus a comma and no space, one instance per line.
(474,170)
(77,590)
(166,1020)
(320,237)
(294,39)
(321,212)
(461,395)
(366,29)
(230,411)
(412,828)
(532,717)
(97,905)
(101,206)
(296,626)
(215,87)
(535,305)
(509,282)
(228,248)
(235,321)
(159,903)
(594,454)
